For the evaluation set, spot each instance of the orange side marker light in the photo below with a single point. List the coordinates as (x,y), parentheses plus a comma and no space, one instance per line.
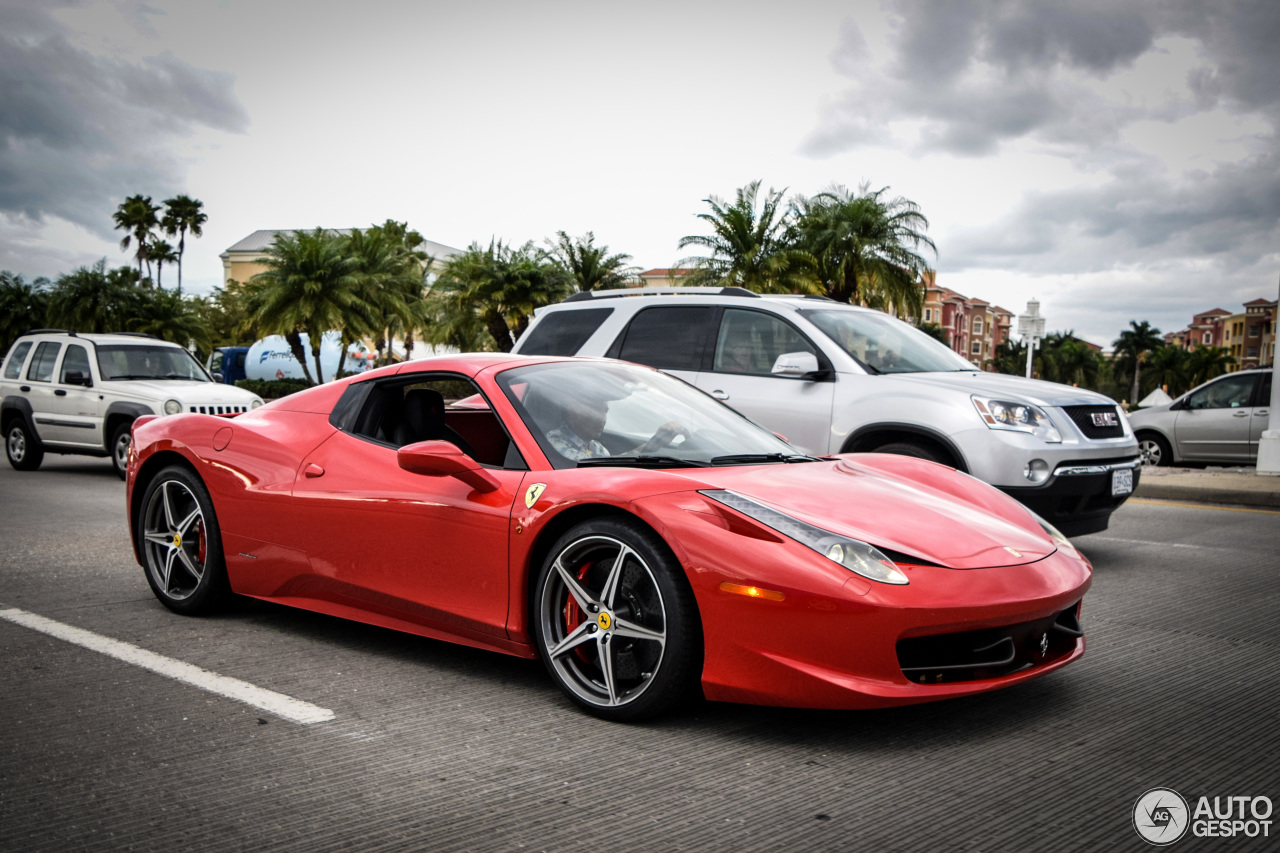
(752,591)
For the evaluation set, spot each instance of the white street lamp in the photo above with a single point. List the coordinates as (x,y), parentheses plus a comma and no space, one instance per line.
(1031,328)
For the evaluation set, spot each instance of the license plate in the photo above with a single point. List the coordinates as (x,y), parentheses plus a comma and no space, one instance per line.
(1121,481)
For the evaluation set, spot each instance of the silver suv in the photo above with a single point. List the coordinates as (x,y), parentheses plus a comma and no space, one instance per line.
(67,393)
(834,378)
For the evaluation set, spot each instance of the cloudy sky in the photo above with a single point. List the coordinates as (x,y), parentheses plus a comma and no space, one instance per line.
(1116,159)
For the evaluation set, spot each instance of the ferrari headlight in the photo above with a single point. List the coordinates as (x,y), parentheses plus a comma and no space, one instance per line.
(856,556)
(1018,417)
(172,407)
(1057,535)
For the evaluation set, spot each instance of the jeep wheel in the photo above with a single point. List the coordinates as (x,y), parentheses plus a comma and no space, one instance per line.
(121,442)
(22,448)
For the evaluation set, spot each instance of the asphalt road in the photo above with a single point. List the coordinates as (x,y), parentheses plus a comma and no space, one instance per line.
(443,748)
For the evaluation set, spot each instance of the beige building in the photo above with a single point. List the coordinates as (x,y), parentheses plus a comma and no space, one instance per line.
(243,260)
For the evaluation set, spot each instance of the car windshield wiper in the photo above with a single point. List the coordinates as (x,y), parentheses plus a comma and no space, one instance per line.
(639,462)
(753,458)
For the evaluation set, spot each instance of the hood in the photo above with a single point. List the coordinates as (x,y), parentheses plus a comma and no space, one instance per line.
(187,392)
(1035,391)
(916,508)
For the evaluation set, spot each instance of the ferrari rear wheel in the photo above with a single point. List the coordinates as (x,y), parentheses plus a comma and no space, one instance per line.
(182,544)
(616,622)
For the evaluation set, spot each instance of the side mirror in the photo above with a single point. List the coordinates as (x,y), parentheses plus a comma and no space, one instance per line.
(796,364)
(218,377)
(76,377)
(444,459)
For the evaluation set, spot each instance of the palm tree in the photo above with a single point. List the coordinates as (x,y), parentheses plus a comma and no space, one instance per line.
(866,246)
(1066,359)
(162,253)
(1206,362)
(23,307)
(93,299)
(227,315)
(167,315)
(182,214)
(591,266)
(500,286)
(935,331)
(1131,350)
(1010,357)
(136,216)
(1167,366)
(310,285)
(390,274)
(749,247)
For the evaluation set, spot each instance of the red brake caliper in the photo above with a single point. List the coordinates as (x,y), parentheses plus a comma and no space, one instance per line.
(573,616)
(200,543)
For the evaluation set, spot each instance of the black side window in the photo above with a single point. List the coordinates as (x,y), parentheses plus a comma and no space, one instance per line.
(13,364)
(564,332)
(76,359)
(668,338)
(1264,392)
(41,369)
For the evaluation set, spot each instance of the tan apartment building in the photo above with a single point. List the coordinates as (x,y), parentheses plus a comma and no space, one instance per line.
(1248,335)
(973,327)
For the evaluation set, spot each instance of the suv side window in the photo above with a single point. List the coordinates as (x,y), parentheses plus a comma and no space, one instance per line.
(751,341)
(1229,393)
(564,332)
(41,369)
(77,358)
(13,364)
(667,337)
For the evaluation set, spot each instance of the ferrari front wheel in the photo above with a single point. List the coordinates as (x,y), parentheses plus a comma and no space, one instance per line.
(616,622)
(182,544)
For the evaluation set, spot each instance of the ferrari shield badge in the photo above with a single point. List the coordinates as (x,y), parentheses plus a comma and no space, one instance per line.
(534,492)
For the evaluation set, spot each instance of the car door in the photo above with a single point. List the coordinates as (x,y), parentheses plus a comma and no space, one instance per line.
(1214,423)
(430,550)
(38,389)
(75,411)
(672,338)
(1261,414)
(747,344)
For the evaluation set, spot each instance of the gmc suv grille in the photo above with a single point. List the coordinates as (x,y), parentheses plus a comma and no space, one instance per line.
(1097,421)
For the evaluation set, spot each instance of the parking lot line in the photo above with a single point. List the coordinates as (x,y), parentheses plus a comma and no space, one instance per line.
(294,710)
(1153,502)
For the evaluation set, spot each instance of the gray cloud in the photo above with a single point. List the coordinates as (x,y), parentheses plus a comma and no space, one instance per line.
(79,132)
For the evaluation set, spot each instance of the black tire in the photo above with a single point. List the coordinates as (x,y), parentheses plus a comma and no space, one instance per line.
(121,440)
(181,544)
(907,448)
(639,652)
(1154,450)
(21,446)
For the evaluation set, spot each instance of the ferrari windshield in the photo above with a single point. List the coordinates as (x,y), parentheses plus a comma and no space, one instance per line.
(148,361)
(883,344)
(599,414)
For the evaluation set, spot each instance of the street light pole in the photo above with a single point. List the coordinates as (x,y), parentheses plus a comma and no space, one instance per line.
(1031,328)
(1269,443)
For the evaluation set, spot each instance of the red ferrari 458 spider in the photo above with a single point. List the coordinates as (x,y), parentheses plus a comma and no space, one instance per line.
(638,536)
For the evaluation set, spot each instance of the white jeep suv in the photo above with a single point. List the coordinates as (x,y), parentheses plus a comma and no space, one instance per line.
(62,392)
(834,378)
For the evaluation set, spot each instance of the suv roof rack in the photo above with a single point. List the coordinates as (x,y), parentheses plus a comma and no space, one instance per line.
(47,332)
(660,291)
(135,335)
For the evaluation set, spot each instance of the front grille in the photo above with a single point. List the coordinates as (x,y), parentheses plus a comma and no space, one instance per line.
(990,652)
(1083,416)
(219,410)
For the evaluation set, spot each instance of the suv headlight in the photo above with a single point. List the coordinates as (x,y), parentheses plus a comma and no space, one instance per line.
(1018,417)
(856,556)
(172,407)
(255,404)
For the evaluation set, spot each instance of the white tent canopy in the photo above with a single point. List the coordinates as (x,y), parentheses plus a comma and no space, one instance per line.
(1155,398)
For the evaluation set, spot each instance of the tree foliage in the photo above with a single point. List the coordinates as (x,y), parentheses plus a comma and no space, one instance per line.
(136,216)
(23,306)
(590,266)
(182,214)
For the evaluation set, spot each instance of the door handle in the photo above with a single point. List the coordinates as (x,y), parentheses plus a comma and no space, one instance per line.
(1260,413)
(313,470)
(1241,414)
(720,395)
(58,392)
(24,388)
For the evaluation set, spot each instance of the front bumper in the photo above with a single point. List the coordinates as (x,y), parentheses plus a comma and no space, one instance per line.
(1077,498)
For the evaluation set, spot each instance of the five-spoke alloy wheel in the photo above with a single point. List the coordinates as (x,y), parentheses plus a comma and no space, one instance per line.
(616,622)
(22,448)
(181,543)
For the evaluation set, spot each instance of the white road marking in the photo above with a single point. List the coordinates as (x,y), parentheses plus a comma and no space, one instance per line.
(294,710)
(1143,542)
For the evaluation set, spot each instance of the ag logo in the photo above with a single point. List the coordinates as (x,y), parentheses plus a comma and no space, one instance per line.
(1160,816)
(534,492)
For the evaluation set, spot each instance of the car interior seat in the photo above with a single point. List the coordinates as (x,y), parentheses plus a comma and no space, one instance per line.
(423,420)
